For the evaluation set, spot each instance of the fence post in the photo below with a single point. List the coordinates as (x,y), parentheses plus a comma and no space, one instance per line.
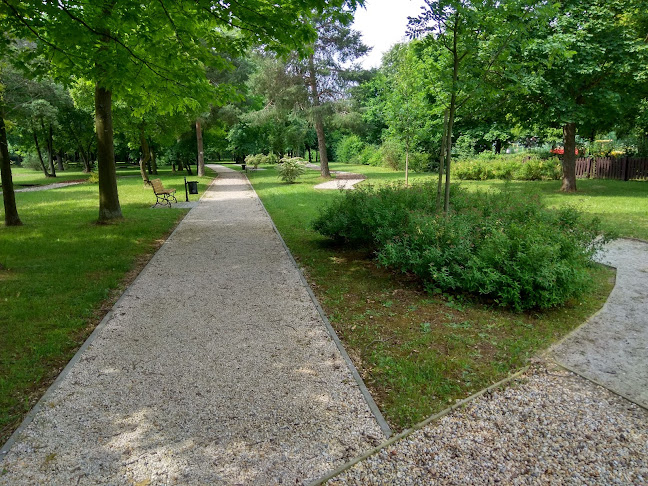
(625,168)
(589,167)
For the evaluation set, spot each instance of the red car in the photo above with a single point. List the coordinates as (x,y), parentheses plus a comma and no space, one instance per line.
(560,151)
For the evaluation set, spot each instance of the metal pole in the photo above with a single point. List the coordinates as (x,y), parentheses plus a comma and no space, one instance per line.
(186,191)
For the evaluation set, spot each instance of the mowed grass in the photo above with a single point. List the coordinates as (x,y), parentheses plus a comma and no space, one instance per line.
(61,272)
(621,206)
(419,353)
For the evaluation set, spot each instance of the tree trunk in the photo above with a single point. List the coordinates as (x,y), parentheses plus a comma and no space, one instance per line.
(451,116)
(569,158)
(146,155)
(310,159)
(442,160)
(50,151)
(40,155)
(407,162)
(498,146)
(109,208)
(8,196)
(154,167)
(84,160)
(319,121)
(201,153)
(59,161)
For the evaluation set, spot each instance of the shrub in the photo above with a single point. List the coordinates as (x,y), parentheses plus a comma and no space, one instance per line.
(506,248)
(291,168)
(272,158)
(370,155)
(256,160)
(518,167)
(31,161)
(348,149)
(93,178)
(419,162)
(392,154)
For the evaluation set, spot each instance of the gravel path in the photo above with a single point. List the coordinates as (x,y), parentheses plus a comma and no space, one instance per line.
(612,348)
(341,184)
(551,427)
(213,368)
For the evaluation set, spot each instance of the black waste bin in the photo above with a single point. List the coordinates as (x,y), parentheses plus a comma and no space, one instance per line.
(193,187)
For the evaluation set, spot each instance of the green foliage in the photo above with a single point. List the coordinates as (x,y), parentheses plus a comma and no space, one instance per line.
(349,149)
(521,167)
(419,162)
(291,168)
(256,160)
(370,155)
(392,152)
(508,249)
(93,178)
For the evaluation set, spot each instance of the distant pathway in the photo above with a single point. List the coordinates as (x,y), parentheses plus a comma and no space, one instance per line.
(343,180)
(215,367)
(46,187)
(612,348)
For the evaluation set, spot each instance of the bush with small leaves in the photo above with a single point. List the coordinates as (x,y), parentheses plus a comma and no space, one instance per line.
(508,249)
(291,168)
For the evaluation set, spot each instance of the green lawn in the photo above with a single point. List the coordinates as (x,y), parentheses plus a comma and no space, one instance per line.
(621,206)
(61,272)
(416,352)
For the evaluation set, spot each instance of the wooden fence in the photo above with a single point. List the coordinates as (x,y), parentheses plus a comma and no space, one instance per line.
(623,168)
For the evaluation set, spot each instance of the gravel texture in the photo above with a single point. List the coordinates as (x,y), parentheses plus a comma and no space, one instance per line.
(342,184)
(213,368)
(550,427)
(612,347)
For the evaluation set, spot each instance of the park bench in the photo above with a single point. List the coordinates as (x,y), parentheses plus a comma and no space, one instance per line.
(163,195)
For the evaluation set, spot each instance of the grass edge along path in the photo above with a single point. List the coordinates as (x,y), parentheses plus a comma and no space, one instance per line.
(62,273)
(416,352)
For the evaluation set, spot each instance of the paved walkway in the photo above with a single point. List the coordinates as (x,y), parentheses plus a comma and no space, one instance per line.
(612,348)
(215,367)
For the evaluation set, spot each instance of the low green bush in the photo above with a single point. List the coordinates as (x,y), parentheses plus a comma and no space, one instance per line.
(258,159)
(527,168)
(370,155)
(291,168)
(348,149)
(508,249)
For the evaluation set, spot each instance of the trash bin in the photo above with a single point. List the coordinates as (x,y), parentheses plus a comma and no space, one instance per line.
(193,187)
(243,167)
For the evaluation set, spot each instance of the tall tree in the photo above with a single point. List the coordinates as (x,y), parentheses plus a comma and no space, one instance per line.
(331,68)
(9,199)
(468,44)
(578,70)
(406,104)
(122,46)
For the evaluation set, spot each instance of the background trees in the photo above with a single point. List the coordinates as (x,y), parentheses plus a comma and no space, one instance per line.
(146,49)
(147,79)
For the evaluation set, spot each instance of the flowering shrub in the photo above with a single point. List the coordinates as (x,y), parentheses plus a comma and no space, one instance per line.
(291,168)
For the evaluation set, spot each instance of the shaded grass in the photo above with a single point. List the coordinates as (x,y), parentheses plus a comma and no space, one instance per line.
(62,272)
(416,352)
